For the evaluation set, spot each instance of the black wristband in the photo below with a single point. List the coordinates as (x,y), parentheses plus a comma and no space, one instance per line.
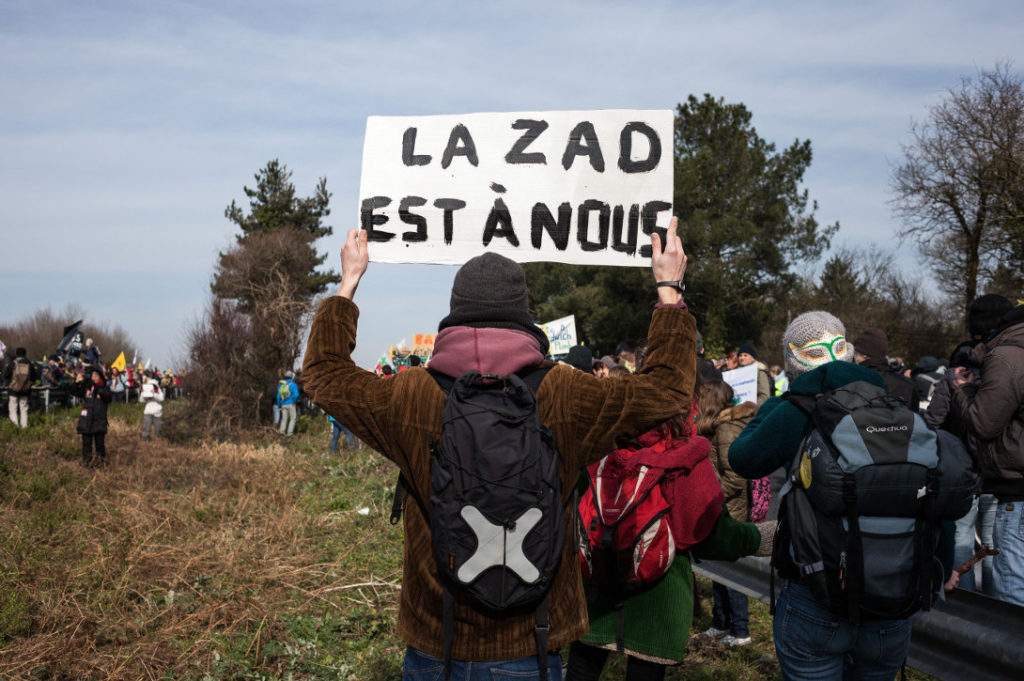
(677,285)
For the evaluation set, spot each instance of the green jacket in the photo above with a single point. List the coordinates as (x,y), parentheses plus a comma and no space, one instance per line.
(772,438)
(656,622)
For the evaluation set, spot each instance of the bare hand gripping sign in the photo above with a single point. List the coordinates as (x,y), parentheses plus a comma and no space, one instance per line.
(575,187)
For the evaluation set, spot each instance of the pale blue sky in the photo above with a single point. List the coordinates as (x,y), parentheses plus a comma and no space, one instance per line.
(127,127)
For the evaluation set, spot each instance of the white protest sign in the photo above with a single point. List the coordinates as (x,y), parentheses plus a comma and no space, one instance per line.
(561,335)
(579,187)
(744,383)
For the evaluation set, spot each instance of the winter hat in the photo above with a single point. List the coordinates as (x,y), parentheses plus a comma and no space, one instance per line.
(872,342)
(748,349)
(289,374)
(20,352)
(963,356)
(984,314)
(927,364)
(580,358)
(607,360)
(490,292)
(812,340)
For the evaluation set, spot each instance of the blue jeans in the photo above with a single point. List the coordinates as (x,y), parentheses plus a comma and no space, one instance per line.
(979,520)
(730,612)
(986,527)
(336,434)
(963,547)
(1008,566)
(420,666)
(812,643)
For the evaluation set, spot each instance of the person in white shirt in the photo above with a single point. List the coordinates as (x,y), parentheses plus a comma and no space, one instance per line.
(153,413)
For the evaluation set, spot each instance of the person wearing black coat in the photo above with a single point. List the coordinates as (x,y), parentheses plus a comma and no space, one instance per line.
(92,423)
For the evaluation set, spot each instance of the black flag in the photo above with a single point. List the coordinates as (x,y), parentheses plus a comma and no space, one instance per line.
(72,342)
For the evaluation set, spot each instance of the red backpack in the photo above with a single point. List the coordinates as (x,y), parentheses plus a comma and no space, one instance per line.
(645,504)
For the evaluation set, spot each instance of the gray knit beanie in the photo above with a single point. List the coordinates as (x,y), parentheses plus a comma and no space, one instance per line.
(490,291)
(490,279)
(812,340)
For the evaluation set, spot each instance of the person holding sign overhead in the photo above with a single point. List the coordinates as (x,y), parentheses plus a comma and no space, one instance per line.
(489,330)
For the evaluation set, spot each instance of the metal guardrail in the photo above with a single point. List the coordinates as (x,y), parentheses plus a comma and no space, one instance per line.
(965,636)
(46,398)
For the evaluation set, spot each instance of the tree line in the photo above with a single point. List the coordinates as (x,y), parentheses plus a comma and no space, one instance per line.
(40,332)
(751,230)
(745,217)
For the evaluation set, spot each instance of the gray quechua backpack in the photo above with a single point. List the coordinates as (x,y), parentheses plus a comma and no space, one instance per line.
(866,492)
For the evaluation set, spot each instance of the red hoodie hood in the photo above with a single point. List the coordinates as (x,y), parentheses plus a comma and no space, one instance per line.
(459,349)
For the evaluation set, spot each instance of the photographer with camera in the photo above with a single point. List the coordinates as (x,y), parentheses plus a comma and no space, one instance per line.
(92,422)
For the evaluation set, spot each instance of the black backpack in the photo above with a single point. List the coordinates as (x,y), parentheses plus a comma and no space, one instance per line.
(861,509)
(496,517)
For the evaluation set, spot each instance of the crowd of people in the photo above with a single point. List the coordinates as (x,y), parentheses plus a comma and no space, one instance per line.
(83,381)
(662,396)
(657,401)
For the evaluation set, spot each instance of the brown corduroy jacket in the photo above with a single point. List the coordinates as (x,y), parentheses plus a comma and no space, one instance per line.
(399,416)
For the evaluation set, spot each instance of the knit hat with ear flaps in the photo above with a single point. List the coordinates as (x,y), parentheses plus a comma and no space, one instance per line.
(812,340)
(490,292)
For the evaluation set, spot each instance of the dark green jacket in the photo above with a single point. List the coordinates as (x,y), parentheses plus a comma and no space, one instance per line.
(656,622)
(772,438)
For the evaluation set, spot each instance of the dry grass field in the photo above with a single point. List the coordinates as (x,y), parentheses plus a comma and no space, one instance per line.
(190,558)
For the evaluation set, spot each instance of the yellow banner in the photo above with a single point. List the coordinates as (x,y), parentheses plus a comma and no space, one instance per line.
(119,362)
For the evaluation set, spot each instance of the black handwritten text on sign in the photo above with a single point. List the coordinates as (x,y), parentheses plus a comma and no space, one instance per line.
(584,187)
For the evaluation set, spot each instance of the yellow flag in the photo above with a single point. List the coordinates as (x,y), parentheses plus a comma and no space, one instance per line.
(119,362)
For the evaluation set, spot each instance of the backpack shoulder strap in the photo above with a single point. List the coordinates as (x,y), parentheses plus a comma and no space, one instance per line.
(805,403)
(444,381)
(402,487)
(534,376)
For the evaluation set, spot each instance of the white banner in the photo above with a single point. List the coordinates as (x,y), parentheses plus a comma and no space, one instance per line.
(744,383)
(561,335)
(580,187)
